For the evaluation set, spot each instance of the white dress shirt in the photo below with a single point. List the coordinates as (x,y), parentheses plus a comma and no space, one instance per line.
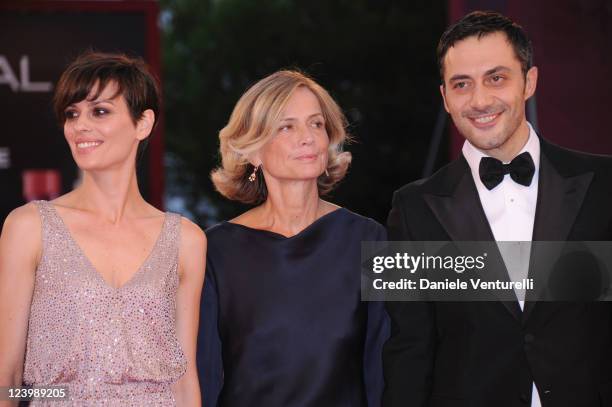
(510,209)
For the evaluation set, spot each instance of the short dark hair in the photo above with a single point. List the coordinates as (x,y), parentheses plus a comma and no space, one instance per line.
(481,23)
(134,81)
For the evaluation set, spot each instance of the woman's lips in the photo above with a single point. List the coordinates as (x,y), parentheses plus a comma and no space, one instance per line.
(307,157)
(87,146)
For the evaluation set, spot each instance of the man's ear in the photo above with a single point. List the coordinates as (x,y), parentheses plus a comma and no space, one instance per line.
(443,93)
(531,82)
(144,126)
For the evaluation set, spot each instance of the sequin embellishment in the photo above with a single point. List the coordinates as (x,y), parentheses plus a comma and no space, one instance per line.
(109,346)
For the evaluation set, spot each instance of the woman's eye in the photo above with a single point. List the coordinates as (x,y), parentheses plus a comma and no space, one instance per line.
(70,114)
(98,111)
(318,124)
(285,128)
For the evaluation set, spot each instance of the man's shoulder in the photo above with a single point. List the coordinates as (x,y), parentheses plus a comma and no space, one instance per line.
(572,162)
(443,181)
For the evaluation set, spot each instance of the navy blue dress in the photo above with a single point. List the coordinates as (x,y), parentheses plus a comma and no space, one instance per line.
(281,321)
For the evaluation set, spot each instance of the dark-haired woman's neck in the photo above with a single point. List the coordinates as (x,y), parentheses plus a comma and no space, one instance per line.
(111,194)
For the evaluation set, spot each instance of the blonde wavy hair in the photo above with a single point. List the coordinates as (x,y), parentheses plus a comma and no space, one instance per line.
(253,122)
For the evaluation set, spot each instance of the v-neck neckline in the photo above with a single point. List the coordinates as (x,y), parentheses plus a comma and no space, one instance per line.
(91,266)
(288,238)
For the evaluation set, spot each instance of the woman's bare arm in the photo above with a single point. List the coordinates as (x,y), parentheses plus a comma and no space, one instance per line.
(20,251)
(192,264)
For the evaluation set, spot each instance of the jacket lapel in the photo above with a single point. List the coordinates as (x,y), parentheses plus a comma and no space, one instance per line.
(559,200)
(457,207)
(560,197)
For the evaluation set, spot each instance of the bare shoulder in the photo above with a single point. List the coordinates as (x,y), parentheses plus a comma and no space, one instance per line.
(24,220)
(21,232)
(192,235)
(192,253)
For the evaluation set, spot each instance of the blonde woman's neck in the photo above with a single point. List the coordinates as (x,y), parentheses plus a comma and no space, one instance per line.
(288,210)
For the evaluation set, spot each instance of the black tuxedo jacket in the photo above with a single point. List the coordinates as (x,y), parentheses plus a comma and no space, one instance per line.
(488,354)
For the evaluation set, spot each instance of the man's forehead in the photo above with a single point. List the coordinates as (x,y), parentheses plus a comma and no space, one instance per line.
(477,55)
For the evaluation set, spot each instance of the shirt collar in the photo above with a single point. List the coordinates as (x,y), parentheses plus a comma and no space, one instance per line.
(473,155)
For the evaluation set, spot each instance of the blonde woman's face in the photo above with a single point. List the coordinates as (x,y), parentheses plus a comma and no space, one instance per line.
(298,147)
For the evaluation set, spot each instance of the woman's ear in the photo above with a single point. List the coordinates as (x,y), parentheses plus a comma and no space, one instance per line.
(144,126)
(255,159)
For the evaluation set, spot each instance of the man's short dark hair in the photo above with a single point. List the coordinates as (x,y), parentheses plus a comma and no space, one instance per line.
(481,23)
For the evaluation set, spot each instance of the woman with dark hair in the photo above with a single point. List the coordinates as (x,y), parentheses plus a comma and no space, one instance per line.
(99,290)
(282,299)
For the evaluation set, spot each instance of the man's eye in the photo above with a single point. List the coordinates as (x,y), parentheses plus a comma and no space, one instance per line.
(497,78)
(460,85)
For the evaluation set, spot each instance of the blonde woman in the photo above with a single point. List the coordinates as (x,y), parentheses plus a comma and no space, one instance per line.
(282,301)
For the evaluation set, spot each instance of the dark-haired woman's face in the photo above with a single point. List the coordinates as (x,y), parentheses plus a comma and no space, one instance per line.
(101,133)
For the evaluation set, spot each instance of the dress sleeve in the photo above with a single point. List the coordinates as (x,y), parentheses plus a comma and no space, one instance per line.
(377,333)
(209,359)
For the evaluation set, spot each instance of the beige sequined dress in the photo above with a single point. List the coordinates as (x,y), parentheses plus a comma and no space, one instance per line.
(109,346)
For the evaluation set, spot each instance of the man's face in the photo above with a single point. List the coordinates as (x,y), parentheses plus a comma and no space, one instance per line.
(485,91)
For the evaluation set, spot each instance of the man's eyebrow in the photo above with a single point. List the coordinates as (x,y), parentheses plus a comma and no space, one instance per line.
(459,77)
(497,69)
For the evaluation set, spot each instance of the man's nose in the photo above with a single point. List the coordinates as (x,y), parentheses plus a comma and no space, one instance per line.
(481,98)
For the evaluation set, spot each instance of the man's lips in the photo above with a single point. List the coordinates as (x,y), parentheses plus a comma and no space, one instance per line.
(485,121)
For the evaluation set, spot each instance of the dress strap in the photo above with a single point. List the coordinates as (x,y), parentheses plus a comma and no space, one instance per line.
(55,237)
(170,238)
(51,223)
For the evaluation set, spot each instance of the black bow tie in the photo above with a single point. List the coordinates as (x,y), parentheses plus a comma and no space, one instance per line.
(492,171)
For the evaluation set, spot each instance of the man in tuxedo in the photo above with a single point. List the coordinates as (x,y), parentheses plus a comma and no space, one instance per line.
(509,184)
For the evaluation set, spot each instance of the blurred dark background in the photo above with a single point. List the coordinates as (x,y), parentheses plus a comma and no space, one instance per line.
(376,58)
